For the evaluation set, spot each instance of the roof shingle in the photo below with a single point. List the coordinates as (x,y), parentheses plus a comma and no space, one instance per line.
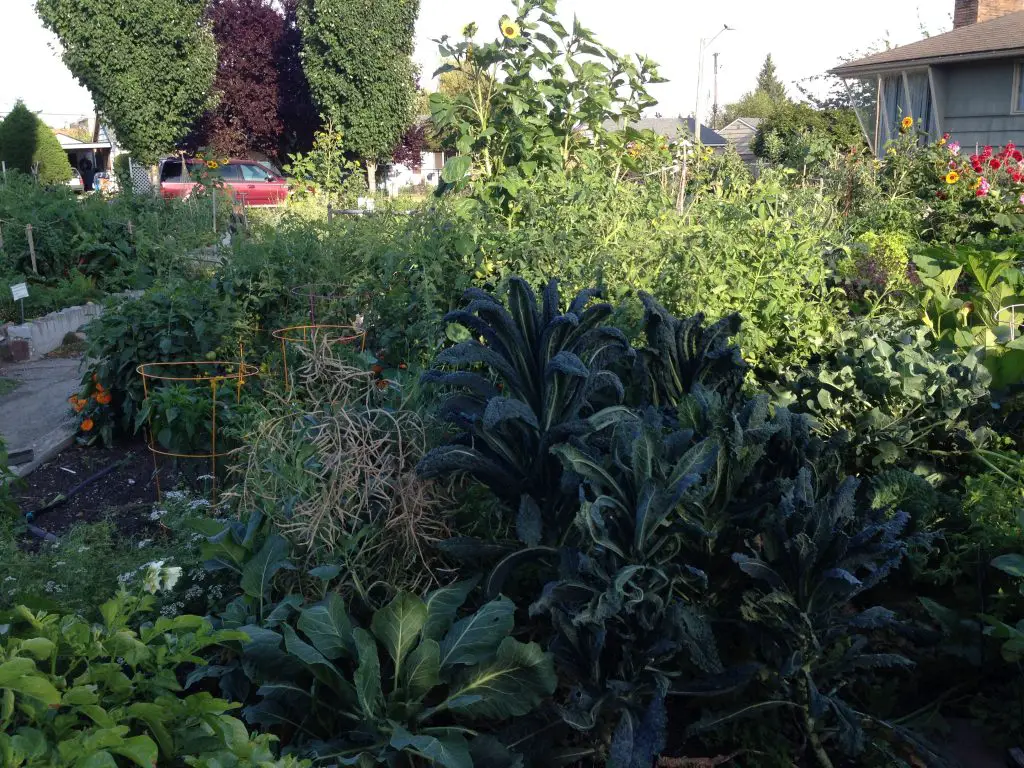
(997,38)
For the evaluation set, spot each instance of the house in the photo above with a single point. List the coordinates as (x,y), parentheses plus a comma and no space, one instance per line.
(968,82)
(741,133)
(89,157)
(675,129)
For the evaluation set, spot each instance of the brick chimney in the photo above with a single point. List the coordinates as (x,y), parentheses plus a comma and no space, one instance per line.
(969,12)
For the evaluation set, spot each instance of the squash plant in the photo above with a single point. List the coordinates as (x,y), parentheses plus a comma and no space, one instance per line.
(74,693)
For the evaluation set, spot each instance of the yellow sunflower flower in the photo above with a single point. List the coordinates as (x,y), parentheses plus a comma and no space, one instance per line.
(952,177)
(212,165)
(907,124)
(509,28)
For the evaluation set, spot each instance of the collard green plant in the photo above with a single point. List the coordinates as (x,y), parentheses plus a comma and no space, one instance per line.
(528,379)
(418,682)
(76,693)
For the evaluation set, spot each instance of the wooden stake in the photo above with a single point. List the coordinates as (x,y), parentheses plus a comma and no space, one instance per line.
(330,213)
(31,247)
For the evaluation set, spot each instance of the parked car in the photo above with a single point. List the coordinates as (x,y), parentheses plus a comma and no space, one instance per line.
(250,181)
(75,182)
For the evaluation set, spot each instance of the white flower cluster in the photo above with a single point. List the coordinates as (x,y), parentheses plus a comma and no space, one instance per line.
(160,577)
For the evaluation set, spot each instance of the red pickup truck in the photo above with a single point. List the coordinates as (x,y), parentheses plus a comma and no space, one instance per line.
(253,182)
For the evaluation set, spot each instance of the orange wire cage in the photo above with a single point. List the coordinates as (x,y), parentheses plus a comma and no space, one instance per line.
(208,372)
(311,334)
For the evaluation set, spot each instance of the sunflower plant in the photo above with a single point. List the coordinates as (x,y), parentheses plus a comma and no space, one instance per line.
(536,98)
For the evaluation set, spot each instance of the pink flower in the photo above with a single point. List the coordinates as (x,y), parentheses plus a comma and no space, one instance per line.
(953,164)
(983,187)
(954,147)
(1022,199)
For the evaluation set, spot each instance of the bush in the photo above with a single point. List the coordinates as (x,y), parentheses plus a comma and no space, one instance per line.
(177,321)
(76,691)
(28,145)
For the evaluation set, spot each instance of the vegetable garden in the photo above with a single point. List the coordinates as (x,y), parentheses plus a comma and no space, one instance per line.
(590,481)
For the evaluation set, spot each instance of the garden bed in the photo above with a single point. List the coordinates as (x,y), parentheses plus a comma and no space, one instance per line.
(124,496)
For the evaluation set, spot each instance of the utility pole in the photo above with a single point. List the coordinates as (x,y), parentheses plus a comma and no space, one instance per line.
(714,109)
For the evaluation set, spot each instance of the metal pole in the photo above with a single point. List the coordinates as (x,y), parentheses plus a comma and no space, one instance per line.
(31,247)
(714,109)
(213,196)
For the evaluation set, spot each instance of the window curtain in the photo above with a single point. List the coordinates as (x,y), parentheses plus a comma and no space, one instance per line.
(919,102)
(893,109)
(863,93)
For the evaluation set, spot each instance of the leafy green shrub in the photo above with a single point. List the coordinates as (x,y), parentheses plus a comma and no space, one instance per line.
(177,321)
(28,145)
(73,691)
(898,398)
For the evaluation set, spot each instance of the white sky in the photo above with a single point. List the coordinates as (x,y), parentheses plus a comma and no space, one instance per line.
(805,37)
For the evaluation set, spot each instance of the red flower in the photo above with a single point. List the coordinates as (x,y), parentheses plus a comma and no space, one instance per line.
(1010,146)
(977,167)
(1017,155)
(987,153)
(941,195)
(995,164)
(946,136)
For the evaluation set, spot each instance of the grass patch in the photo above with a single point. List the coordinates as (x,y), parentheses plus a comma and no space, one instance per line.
(8,385)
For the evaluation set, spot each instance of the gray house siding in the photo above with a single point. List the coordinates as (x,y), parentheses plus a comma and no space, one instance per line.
(978,103)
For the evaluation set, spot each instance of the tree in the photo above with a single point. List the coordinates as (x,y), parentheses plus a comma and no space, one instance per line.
(149,64)
(28,145)
(768,82)
(246,117)
(357,57)
(299,115)
(768,95)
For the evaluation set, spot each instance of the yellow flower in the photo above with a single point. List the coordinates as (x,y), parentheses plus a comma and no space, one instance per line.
(942,142)
(907,124)
(212,165)
(952,177)
(509,28)
(225,161)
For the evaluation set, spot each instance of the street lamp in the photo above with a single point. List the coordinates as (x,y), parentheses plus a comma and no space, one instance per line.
(704,45)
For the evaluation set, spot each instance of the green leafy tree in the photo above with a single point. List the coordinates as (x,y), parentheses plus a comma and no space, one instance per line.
(148,64)
(357,58)
(766,98)
(768,81)
(28,145)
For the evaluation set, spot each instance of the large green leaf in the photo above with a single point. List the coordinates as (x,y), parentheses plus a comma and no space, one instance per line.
(422,671)
(258,572)
(449,752)
(1012,564)
(318,664)
(367,676)
(474,639)
(141,750)
(443,604)
(397,625)
(328,627)
(456,169)
(514,684)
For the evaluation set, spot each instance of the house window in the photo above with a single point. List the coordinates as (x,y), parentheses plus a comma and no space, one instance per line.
(1018,87)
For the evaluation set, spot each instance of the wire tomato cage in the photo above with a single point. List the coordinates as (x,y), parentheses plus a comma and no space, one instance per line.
(307,335)
(315,295)
(1013,317)
(215,374)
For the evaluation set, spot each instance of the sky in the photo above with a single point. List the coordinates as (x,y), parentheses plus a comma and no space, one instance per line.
(804,37)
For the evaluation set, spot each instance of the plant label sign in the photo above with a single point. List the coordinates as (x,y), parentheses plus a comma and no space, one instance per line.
(19,291)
